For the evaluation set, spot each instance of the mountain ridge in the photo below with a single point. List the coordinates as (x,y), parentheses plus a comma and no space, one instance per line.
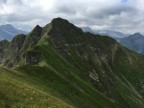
(79,69)
(133,42)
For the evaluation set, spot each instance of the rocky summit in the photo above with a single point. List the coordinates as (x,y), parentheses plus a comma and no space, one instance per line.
(60,66)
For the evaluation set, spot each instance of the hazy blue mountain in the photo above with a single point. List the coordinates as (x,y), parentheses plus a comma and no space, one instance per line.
(87,29)
(8,32)
(114,34)
(134,42)
(111,33)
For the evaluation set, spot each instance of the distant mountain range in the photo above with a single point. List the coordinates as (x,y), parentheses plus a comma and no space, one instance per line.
(114,34)
(134,42)
(8,32)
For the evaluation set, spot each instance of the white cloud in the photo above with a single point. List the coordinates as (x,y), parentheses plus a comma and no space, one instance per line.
(121,15)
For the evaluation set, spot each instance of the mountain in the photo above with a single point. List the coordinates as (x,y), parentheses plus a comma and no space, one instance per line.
(113,34)
(61,66)
(8,32)
(134,42)
(87,29)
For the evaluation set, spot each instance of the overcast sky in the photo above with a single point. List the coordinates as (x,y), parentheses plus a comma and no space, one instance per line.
(121,15)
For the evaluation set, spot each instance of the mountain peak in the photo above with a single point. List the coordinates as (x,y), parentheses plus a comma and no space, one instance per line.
(7,26)
(37,27)
(58,20)
(87,29)
(8,31)
(61,27)
(138,34)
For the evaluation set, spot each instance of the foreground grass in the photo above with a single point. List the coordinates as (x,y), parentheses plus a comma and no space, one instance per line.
(16,93)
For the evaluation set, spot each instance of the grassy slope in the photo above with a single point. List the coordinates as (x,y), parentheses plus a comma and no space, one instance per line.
(17,92)
(55,82)
(60,78)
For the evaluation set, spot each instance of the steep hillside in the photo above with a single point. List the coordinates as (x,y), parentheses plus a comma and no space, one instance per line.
(17,92)
(66,67)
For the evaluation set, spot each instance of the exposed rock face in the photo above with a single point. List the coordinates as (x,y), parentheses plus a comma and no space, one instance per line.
(12,52)
(33,57)
(3,46)
(17,42)
(32,38)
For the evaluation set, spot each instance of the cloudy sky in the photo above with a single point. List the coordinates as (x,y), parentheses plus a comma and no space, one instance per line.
(121,15)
